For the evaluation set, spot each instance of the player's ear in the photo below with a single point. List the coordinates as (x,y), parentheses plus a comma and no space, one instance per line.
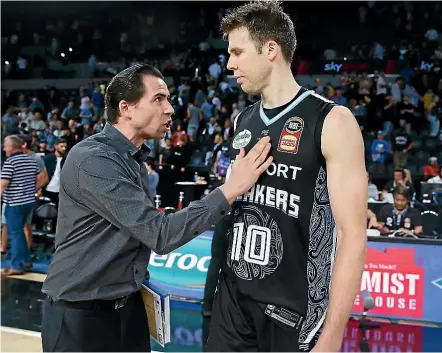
(272,49)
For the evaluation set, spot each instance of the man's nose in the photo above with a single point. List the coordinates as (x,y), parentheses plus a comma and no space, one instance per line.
(231,64)
(169,109)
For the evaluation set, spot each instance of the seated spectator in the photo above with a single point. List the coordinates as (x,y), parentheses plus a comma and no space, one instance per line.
(436,180)
(432,169)
(399,178)
(192,119)
(373,192)
(37,123)
(339,98)
(400,215)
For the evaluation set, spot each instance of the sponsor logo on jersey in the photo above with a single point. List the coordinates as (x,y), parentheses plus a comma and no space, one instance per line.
(242,139)
(291,135)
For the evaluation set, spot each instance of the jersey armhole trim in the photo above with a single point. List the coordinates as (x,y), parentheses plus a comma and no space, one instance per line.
(319,127)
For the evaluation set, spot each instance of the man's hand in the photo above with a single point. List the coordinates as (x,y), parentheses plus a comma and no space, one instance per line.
(246,169)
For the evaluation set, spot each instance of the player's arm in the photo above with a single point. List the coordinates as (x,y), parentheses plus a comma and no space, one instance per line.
(343,149)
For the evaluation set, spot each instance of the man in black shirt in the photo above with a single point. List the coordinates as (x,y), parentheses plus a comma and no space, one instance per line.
(401,144)
(406,114)
(400,216)
(107,225)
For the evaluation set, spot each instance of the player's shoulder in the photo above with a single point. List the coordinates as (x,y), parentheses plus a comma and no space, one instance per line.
(247,111)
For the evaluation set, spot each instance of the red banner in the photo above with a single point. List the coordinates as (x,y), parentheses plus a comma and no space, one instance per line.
(395,281)
(387,338)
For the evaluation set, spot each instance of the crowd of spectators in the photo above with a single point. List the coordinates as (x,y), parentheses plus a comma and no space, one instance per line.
(399,116)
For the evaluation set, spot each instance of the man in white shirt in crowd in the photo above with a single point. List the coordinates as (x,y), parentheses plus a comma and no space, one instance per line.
(54,163)
(436,180)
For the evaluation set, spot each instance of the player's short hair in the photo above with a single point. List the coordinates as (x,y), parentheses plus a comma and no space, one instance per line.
(127,85)
(265,20)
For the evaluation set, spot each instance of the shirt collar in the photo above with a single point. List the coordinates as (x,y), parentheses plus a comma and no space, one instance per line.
(124,145)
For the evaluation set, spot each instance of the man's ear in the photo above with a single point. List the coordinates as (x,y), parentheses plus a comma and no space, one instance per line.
(124,109)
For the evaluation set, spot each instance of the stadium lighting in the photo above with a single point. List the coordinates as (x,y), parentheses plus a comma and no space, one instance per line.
(6,62)
(70,49)
(62,55)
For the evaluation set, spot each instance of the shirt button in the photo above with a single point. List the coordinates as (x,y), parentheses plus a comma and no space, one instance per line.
(196,233)
(223,213)
(136,272)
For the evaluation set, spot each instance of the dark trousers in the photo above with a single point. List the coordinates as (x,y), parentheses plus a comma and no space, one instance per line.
(95,330)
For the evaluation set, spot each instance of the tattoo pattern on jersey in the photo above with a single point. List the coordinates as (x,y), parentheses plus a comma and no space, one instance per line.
(320,259)
(250,217)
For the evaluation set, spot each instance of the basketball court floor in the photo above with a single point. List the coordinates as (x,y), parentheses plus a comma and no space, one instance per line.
(22,300)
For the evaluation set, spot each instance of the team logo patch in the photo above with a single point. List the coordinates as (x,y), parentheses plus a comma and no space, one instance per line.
(291,135)
(242,139)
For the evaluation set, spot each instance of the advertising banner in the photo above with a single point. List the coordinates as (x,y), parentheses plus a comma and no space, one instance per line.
(405,279)
(182,273)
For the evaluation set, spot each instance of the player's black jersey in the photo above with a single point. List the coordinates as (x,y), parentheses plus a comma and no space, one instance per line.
(283,238)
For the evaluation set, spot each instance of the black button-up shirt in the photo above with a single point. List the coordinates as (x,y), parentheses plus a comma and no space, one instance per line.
(107,225)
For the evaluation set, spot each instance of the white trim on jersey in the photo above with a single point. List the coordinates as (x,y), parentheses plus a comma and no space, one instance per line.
(323,98)
(298,100)
(235,120)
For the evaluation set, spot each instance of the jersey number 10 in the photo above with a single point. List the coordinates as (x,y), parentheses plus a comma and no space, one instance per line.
(257,239)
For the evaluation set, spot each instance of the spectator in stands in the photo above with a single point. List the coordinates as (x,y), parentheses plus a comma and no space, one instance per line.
(373,192)
(434,115)
(192,120)
(207,110)
(87,114)
(432,169)
(69,112)
(401,145)
(54,163)
(228,130)
(396,90)
(37,123)
(10,122)
(400,216)
(181,155)
(153,178)
(380,151)
(339,98)
(399,178)
(98,102)
(178,135)
(59,131)
(436,179)
(36,105)
(211,155)
(18,186)
(406,114)
(165,153)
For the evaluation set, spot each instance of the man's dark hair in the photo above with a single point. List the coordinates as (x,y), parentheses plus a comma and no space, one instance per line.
(265,20)
(401,190)
(127,85)
(60,140)
(26,140)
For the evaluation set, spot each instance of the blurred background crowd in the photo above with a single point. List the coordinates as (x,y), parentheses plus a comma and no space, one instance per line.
(382,60)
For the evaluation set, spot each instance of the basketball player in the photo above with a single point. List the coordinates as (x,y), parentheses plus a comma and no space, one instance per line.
(297,240)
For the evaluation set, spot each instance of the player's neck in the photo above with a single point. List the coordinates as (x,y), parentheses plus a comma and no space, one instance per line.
(281,89)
